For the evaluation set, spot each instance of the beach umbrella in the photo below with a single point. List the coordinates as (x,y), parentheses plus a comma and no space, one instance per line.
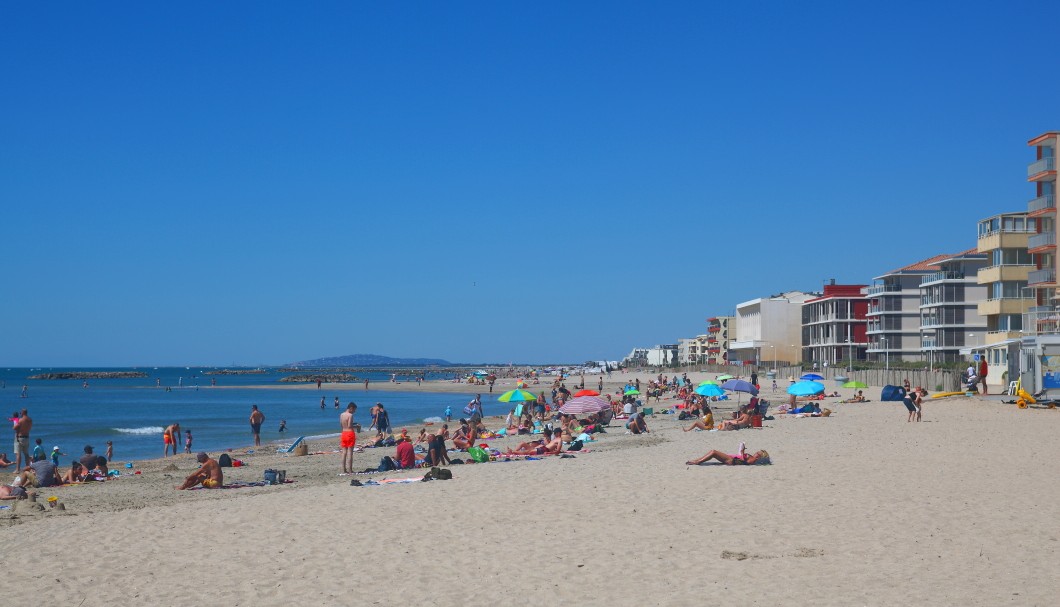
(586,393)
(516,396)
(708,383)
(739,385)
(629,392)
(584,404)
(811,377)
(806,388)
(709,390)
(855,384)
(724,377)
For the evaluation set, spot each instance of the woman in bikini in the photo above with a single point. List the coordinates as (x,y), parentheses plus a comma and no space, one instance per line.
(740,458)
(551,445)
(706,422)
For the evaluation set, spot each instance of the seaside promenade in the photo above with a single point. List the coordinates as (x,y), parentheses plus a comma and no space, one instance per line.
(860,508)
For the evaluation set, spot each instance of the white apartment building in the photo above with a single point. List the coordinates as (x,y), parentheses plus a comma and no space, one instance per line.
(770,329)
(949,307)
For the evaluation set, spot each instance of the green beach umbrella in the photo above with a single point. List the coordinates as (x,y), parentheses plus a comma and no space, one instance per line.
(855,384)
(724,377)
(708,383)
(516,396)
(628,392)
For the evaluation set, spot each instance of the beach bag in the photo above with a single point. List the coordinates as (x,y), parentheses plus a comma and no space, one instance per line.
(468,410)
(478,454)
(225,461)
(575,446)
(387,464)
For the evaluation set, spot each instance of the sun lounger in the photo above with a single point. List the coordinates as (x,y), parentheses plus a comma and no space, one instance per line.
(290,448)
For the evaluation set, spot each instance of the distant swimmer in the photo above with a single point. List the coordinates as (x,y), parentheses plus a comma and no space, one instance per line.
(25,391)
(336,402)
(322,403)
(283,426)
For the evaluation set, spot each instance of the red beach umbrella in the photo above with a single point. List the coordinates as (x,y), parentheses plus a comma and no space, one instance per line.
(586,393)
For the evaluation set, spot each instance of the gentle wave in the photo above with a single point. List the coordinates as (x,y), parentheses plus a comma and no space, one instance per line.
(432,420)
(144,430)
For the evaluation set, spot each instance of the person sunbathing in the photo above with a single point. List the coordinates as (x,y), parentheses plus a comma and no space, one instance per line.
(742,421)
(75,474)
(209,474)
(704,423)
(552,445)
(740,458)
(461,440)
(7,492)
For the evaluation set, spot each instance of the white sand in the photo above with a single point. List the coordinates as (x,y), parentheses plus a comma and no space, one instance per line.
(861,508)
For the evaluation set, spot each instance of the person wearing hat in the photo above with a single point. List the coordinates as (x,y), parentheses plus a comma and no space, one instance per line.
(209,474)
(55,454)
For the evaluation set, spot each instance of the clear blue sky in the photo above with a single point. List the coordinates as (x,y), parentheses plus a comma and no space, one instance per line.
(217,183)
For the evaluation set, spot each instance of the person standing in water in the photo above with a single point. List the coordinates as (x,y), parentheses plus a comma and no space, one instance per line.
(256,419)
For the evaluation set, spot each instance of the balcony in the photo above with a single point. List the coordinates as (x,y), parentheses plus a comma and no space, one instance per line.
(1042,204)
(1003,272)
(939,276)
(1004,305)
(878,289)
(1042,277)
(1041,166)
(1041,320)
(1041,241)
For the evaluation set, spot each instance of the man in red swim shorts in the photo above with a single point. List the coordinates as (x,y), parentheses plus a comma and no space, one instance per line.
(348,438)
(169,438)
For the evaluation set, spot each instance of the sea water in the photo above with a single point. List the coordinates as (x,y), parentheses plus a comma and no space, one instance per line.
(132,412)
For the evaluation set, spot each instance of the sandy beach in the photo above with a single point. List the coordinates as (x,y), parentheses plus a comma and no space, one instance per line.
(861,508)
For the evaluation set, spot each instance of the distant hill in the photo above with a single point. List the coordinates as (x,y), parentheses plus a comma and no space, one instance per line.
(370,360)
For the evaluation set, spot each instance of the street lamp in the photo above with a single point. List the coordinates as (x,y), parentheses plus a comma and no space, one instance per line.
(886,353)
(774,348)
(850,354)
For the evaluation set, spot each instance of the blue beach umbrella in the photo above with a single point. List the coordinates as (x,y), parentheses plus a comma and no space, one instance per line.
(739,385)
(811,377)
(805,388)
(516,396)
(709,390)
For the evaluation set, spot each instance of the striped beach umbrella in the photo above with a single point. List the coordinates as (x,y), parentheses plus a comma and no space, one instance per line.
(584,404)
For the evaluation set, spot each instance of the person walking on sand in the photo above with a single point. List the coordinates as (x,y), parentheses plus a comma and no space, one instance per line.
(257,418)
(170,436)
(348,437)
(366,383)
(983,370)
(22,429)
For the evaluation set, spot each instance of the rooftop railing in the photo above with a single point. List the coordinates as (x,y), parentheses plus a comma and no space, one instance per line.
(937,276)
(885,288)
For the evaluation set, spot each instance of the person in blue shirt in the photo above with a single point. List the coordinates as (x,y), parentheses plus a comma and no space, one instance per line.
(38,452)
(448,413)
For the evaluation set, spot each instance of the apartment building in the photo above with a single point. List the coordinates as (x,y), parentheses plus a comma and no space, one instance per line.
(1040,367)
(893,326)
(693,350)
(721,330)
(770,328)
(949,307)
(1003,238)
(833,325)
